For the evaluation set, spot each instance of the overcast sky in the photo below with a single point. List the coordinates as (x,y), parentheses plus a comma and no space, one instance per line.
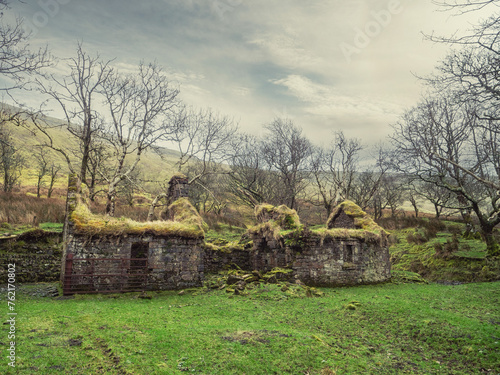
(326,64)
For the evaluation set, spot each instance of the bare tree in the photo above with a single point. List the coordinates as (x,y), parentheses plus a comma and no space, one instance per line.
(334,170)
(442,143)
(414,199)
(391,194)
(440,197)
(97,165)
(41,161)
(17,61)
(471,71)
(368,181)
(77,94)
(464,6)
(286,151)
(204,136)
(208,193)
(54,170)
(140,109)
(250,179)
(11,161)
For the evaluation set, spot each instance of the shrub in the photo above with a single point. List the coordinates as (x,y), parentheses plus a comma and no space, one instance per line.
(454,229)
(416,238)
(6,226)
(445,251)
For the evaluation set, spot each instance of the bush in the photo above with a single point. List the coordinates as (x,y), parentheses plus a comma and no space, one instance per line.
(455,229)
(445,251)
(416,238)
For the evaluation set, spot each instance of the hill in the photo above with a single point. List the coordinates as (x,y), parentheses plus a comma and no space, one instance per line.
(154,166)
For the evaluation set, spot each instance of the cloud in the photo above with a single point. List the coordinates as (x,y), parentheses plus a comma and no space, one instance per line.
(258,58)
(285,49)
(324,100)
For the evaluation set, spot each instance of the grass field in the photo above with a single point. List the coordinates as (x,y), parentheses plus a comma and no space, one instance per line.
(382,329)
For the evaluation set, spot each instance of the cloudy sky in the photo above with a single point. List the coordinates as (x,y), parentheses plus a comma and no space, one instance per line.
(327,64)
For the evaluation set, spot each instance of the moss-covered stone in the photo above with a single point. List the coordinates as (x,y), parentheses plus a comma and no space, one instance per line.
(225,248)
(361,219)
(285,217)
(183,211)
(364,227)
(87,223)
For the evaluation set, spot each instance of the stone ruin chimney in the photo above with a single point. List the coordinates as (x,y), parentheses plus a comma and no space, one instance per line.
(177,188)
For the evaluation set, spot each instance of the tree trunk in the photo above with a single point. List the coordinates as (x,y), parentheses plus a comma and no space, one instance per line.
(111,202)
(153,205)
(438,211)
(38,186)
(415,207)
(92,188)
(492,246)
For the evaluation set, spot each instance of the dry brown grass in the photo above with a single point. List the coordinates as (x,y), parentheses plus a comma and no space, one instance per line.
(19,208)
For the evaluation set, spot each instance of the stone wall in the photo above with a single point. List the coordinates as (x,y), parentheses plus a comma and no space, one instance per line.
(31,268)
(37,256)
(325,262)
(173,262)
(217,260)
(178,187)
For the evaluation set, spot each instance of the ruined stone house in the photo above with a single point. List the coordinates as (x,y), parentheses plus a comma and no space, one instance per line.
(103,254)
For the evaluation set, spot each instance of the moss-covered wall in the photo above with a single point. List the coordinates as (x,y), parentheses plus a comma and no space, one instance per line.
(217,260)
(37,255)
(325,261)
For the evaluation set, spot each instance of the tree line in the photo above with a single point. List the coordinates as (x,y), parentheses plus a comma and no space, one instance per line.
(445,150)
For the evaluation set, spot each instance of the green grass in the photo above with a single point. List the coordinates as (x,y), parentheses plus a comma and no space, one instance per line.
(16,229)
(13,229)
(52,227)
(383,329)
(224,232)
(467,264)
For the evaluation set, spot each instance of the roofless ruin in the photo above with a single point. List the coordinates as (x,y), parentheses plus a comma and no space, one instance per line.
(104,254)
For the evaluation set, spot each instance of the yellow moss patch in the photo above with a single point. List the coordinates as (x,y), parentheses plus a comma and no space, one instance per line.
(361,219)
(182,210)
(343,233)
(227,248)
(268,230)
(179,175)
(87,223)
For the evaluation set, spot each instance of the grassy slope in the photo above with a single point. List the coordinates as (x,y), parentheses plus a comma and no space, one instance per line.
(395,329)
(467,264)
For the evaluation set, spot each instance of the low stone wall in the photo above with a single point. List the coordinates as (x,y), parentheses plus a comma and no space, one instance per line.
(31,268)
(37,256)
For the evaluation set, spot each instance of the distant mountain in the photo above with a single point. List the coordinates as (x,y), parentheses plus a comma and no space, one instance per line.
(155,167)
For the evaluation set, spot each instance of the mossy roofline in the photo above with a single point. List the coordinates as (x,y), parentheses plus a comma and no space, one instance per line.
(284,216)
(183,211)
(362,220)
(87,223)
(367,229)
